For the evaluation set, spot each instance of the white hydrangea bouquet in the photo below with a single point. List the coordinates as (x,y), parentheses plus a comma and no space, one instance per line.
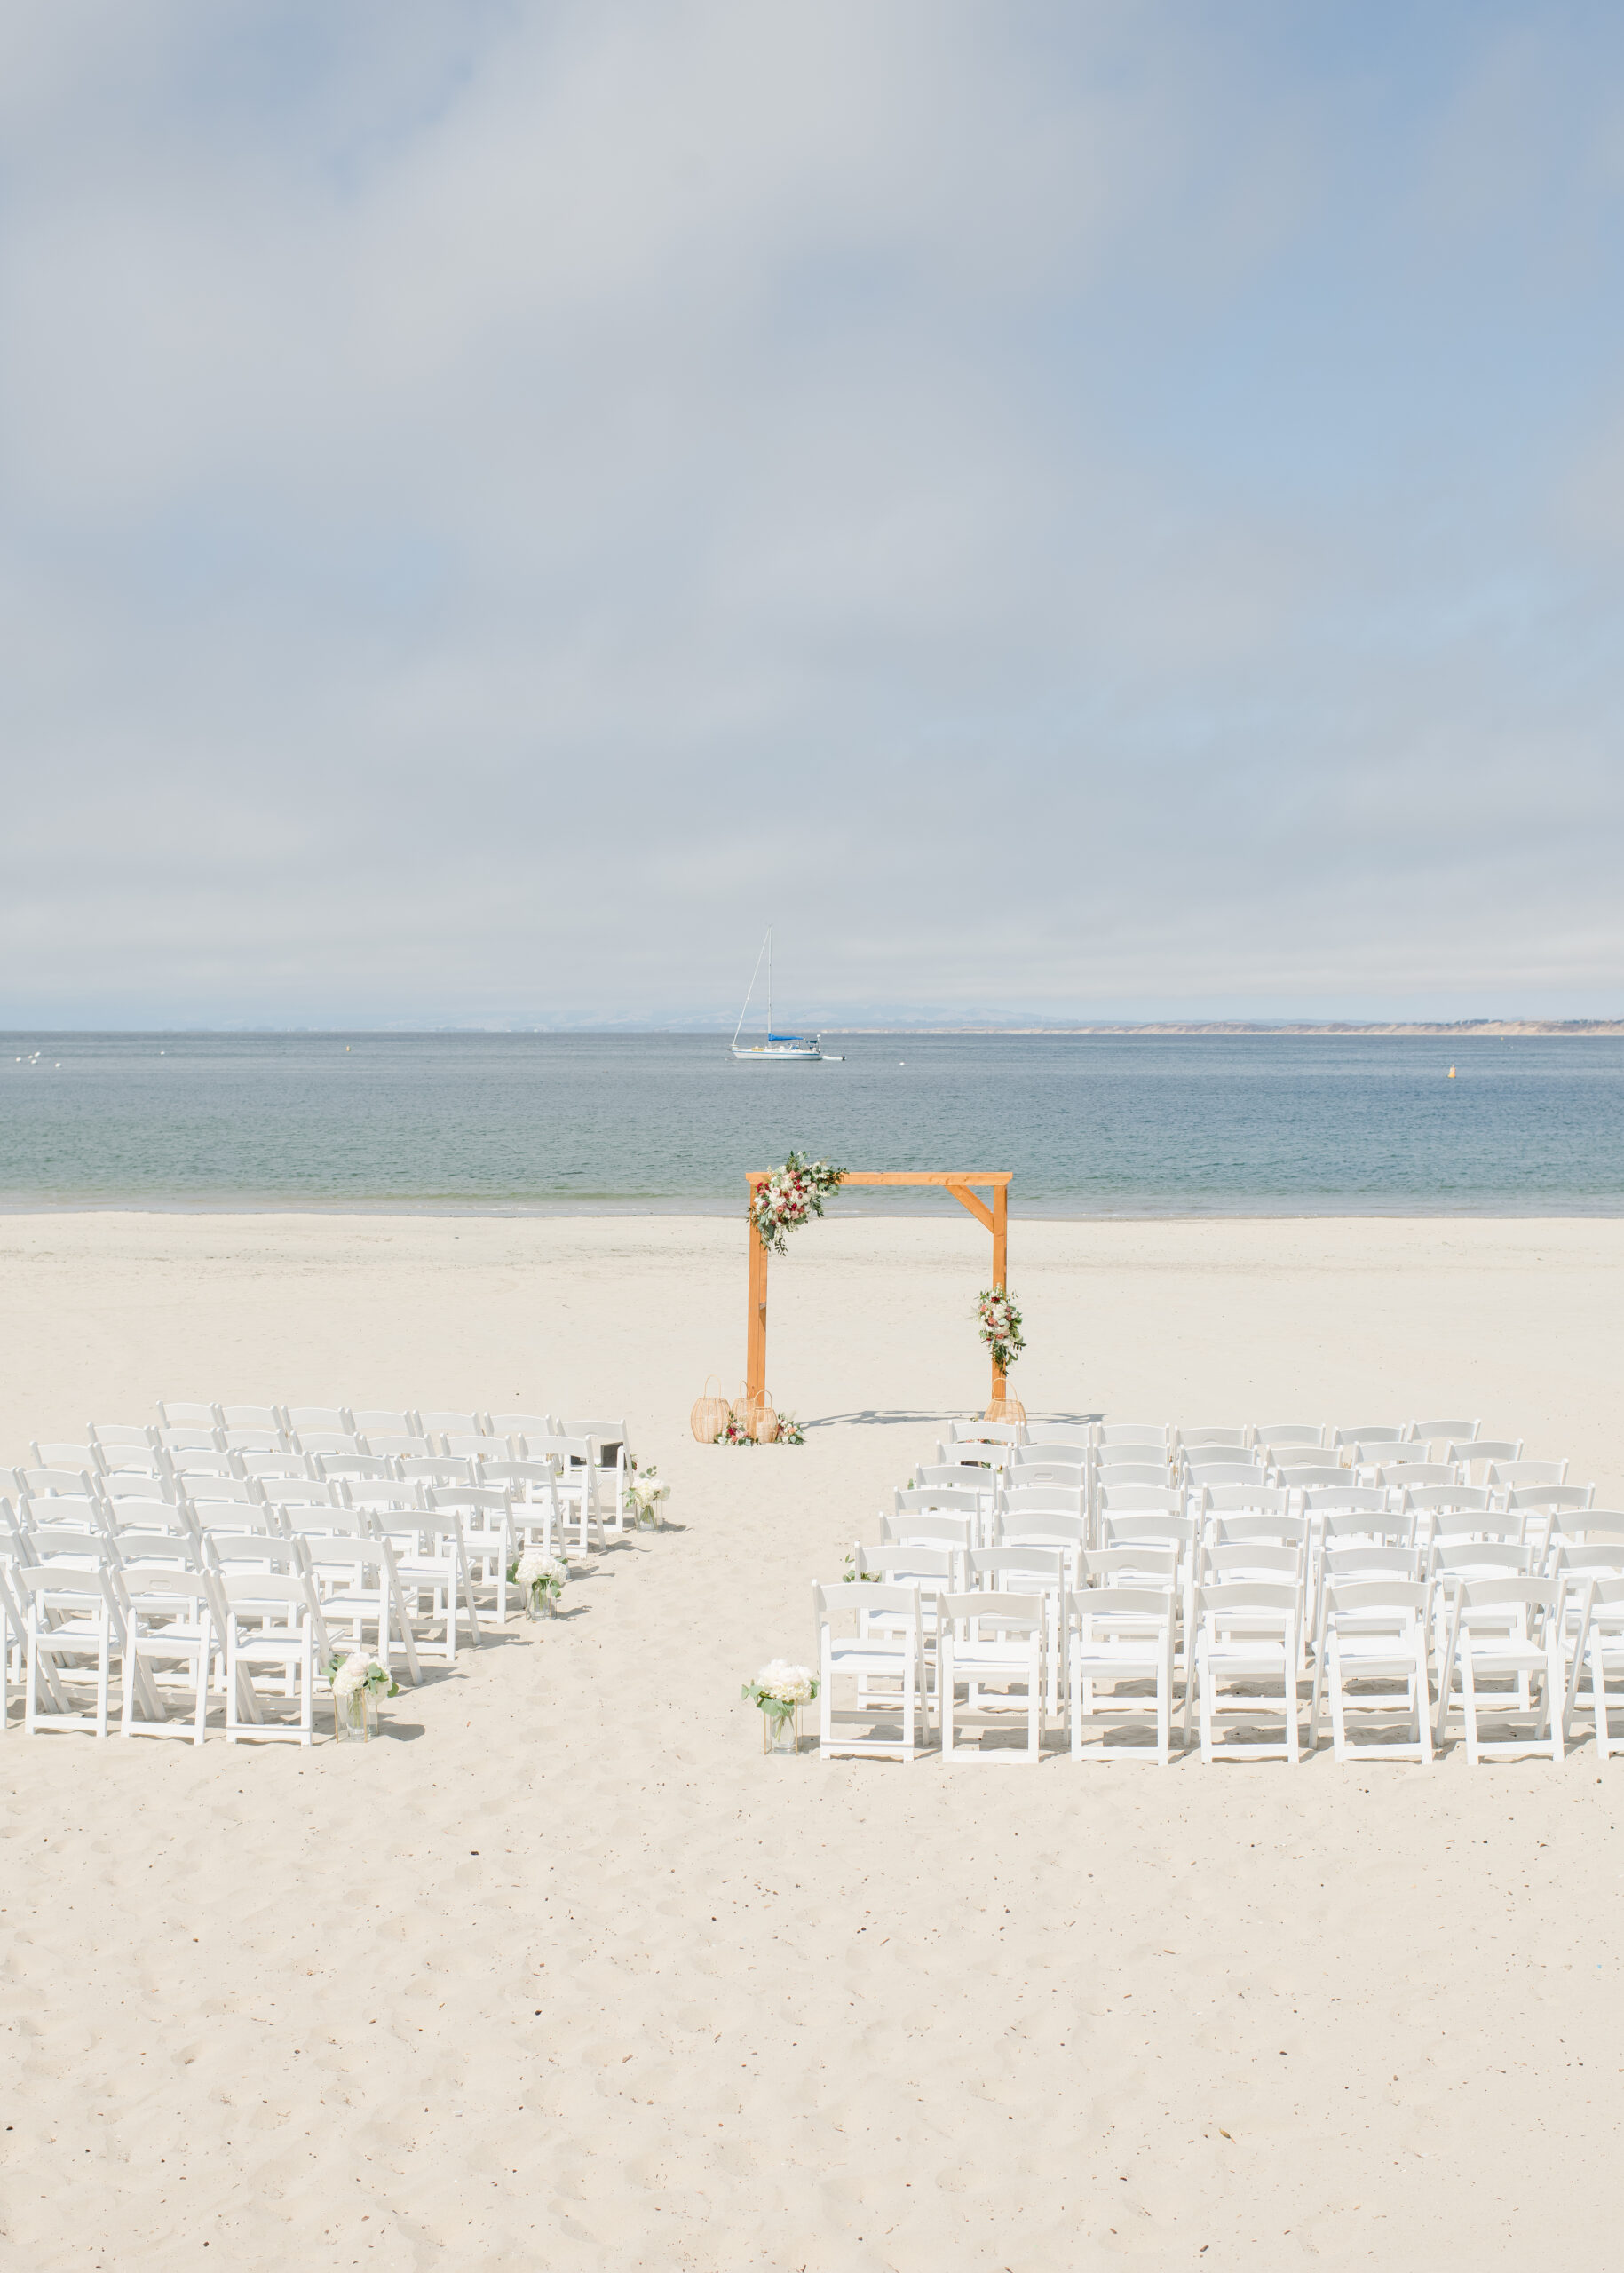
(539,1578)
(357,1680)
(644,1498)
(779,1691)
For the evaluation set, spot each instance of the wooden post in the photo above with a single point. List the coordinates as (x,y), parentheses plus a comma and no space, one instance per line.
(1001,1266)
(756,1336)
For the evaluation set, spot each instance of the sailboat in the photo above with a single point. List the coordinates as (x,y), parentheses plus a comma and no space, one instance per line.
(778,1049)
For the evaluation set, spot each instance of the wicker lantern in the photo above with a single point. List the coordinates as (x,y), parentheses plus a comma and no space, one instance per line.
(709,1417)
(1005,1408)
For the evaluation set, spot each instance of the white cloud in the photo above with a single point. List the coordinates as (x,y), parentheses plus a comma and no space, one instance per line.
(497,502)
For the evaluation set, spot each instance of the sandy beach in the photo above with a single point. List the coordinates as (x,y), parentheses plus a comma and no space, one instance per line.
(564,1974)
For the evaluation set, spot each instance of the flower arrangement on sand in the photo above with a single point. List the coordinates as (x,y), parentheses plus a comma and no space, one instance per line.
(357,1680)
(539,1577)
(350,1670)
(645,1497)
(789,1197)
(779,1691)
(734,1431)
(999,1322)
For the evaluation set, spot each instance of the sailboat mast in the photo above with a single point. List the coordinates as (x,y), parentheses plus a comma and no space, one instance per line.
(744,1013)
(769,982)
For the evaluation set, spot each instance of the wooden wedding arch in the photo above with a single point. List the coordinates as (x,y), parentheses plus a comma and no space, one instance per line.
(957,1181)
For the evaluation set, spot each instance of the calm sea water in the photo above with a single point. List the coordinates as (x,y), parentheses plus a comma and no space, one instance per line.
(1090,1125)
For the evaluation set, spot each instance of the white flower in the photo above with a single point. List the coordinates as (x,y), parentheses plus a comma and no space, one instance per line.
(353,1674)
(790,1684)
(536,1568)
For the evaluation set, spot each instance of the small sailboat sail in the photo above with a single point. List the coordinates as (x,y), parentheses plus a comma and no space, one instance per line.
(778,1049)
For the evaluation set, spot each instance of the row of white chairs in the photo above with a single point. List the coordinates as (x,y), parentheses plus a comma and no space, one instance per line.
(290,1421)
(215,1609)
(1089,1468)
(1233,1489)
(599,1465)
(1113,1436)
(1438,1525)
(86,1585)
(596,1498)
(1514,1653)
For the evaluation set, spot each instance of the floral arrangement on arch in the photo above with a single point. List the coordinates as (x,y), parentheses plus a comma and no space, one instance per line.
(999,1322)
(791,1196)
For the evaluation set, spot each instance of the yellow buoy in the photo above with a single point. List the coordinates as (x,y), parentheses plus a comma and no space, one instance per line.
(1451,1072)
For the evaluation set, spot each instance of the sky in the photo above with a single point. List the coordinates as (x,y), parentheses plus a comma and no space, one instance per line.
(1068,511)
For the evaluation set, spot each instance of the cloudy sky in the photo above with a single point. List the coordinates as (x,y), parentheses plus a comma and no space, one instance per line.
(1066,511)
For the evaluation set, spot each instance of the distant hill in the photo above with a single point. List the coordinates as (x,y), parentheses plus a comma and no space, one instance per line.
(1463,1029)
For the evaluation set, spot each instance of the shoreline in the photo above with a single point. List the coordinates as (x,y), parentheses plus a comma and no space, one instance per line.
(1587,1209)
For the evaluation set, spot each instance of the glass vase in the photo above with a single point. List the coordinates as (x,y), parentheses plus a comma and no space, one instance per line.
(354,1715)
(781,1734)
(541,1602)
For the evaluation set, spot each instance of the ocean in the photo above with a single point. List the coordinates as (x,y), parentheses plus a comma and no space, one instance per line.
(1090,1125)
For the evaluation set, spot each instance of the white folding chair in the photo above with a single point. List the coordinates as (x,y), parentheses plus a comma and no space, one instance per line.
(508,1426)
(1153,1436)
(83,1459)
(186,1416)
(952,1533)
(273,1626)
(1035,1468)
(927,1572)
(1117,1635)
(1247,1642)
(1289,1436)
(1599,1652)
(1505,1628)
(566,1464)
(997,1643)
(986,1432)
(1371,1432)
(886,1658)
(358,1587)
(1374,1632)
(1192,1440)
(1515,1474)
(613,1450)
(366,1421)
(1445,1432)
(265,1418)
(332,1419)
(431,1563)
(169,1621)
(74,1623)
(490,1537)
(1030,1567)
(433,1423)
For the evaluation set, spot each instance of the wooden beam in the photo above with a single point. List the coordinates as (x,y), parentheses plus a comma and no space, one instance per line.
(1001,1267)
(979,1208)
(926,1176)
